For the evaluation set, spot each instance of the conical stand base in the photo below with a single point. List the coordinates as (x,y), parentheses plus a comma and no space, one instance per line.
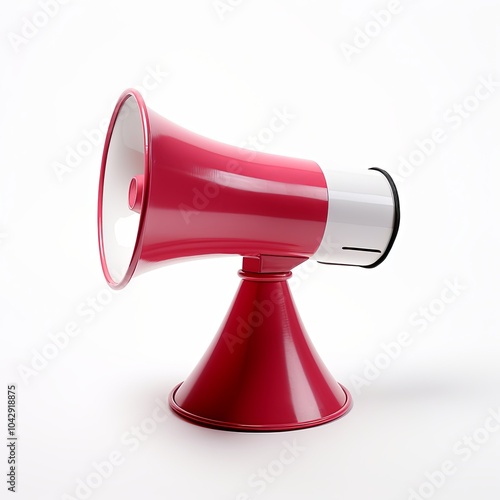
(261,372)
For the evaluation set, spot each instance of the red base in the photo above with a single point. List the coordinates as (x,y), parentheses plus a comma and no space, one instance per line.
(261,372)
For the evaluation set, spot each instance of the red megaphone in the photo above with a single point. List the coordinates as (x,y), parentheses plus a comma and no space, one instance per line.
(166,193)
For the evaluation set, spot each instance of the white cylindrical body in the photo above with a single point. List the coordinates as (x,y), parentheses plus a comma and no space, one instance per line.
(363,218)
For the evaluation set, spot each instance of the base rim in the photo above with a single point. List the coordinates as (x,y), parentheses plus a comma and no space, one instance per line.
(232,426)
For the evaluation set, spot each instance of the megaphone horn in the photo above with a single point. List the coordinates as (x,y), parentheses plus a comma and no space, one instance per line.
(166,193)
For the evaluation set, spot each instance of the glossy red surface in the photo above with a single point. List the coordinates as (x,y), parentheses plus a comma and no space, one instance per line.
(202,197)
(261,372)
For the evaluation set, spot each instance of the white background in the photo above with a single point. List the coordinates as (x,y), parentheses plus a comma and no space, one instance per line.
(223,75)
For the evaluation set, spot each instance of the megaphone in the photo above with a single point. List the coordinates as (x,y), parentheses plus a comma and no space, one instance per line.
(167,194)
